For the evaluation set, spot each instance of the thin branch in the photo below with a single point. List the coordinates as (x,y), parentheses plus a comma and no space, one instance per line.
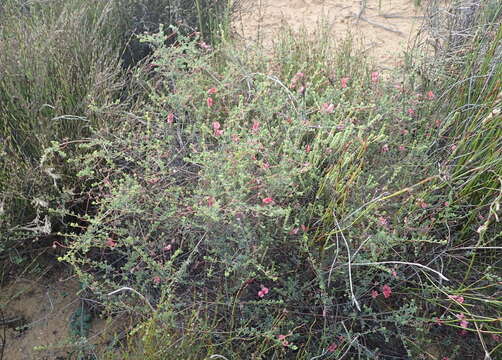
(134,291)
(349,265)
(380,25)
(404,263)
(361,9)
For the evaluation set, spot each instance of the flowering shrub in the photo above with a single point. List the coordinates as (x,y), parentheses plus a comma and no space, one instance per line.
(237,200)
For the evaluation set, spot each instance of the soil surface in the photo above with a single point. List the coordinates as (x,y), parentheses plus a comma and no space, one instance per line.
(385,26)
(36,317)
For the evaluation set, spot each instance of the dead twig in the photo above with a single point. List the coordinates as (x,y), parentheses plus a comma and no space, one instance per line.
(361,9)
(397,16)
(379,25)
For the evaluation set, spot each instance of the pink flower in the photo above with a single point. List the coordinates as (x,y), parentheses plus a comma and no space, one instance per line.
(385,148)
(332,347)
(328,108)
(430,95)
(402,148)
(216,128)
(168,247)
(394,273)
(213,90)
(210,102)
(264,290)
(255,127)
(307,148)
(156,279)
(210,201)
(111,243)
(204,46)
(463,323)
(268,200)
(235,138)
(411,112)
(294,231)
(344,82)
(266,165)
(170,118)
(375,75)
(295,79)
(386,291)
(383,221)
(457,298)
(374,294)
(282,339)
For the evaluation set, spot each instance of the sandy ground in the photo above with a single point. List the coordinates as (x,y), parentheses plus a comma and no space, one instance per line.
(44,308)
(385,26)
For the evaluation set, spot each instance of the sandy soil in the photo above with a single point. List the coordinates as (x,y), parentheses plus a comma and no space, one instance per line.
(385,26)
(42,308)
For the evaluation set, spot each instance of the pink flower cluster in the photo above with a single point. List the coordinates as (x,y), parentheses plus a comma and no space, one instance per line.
(457,298)
(217,128)
(263,291)
(463,322)
(255,127)
(375,76)
(344,81)
(294,81)
(282,339)
(327,108)
(386,291)
(170,118)
(268,200)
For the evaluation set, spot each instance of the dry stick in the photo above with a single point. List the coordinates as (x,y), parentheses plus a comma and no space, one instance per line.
(134,291)
(349,265)
(409,188)
(403,263)
(397,16)
(476,248)
(381,26)
(348,347)
(361,9)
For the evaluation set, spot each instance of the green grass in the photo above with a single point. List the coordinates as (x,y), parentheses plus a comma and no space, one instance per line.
(64,74)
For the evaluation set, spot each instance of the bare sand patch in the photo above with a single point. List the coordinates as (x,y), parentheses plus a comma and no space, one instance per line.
(385,26)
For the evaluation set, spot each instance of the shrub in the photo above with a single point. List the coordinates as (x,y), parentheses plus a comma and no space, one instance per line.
(237,201)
